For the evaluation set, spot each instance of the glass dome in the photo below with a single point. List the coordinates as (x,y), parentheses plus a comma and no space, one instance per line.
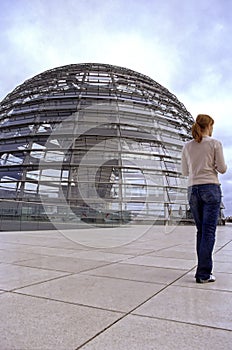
(91,143)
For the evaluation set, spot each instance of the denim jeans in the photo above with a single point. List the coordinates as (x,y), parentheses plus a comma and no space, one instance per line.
(204,201)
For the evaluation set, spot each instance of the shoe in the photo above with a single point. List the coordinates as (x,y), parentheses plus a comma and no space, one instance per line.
(211,278)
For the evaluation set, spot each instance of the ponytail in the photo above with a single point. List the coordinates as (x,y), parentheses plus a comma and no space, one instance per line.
(196,132)
(198,128)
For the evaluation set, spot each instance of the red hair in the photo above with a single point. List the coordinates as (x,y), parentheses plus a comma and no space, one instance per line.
(202,122)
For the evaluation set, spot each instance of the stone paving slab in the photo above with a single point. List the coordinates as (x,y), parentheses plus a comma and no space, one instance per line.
(147,260)
(225,267)
(15,256)
(29,323)
(223,256)
(102,292)
(143,333)
(101,255)
(204,307)
(62,263)
(138,273)
(174,253)
(13,276)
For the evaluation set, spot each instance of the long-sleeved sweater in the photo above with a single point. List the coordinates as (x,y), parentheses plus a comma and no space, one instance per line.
(202,162)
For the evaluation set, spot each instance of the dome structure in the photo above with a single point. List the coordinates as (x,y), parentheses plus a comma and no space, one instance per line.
(92,143)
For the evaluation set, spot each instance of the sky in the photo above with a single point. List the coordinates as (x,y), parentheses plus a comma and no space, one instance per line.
(183,45)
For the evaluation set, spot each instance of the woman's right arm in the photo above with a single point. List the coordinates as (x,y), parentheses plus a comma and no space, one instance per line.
(220,164)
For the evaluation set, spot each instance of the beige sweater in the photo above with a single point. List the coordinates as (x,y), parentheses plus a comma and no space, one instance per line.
(202,162)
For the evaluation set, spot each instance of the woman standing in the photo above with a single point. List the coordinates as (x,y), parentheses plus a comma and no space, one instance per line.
(202,160)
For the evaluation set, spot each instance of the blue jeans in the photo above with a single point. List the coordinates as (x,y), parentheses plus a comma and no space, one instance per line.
(204,201)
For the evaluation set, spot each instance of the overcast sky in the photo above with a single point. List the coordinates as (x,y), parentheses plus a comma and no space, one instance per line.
(183,45)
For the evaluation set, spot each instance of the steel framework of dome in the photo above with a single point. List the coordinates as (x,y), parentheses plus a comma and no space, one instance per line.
(92,142)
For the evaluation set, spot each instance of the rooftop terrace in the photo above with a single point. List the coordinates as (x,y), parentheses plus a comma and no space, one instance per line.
(113,288)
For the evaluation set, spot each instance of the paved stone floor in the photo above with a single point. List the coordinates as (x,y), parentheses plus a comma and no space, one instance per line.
(117,289)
